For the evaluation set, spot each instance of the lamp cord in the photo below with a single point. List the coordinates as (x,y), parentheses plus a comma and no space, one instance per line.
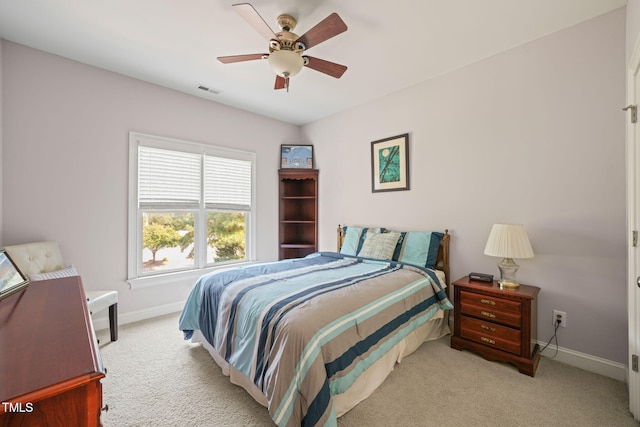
(555,335)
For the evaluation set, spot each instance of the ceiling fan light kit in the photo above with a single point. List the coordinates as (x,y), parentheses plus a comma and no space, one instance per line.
(286,48)
(285,63)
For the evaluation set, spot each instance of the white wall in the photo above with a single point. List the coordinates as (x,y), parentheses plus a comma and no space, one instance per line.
(66,132)
(632,27)
(550,109)
(534,136)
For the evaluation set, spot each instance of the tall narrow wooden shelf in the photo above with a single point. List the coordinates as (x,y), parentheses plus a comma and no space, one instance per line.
(298,235)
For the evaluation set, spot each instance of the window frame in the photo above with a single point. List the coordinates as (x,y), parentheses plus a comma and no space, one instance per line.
(135,276)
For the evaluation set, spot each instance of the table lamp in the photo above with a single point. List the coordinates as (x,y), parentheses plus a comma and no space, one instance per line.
(508,241)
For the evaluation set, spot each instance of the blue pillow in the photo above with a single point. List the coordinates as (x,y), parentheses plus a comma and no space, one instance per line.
(354,238)
(419,248)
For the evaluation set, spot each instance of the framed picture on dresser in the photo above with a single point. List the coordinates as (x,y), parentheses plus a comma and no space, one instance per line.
(11,278)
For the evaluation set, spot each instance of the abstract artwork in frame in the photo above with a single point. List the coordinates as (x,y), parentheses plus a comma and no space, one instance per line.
(390,164)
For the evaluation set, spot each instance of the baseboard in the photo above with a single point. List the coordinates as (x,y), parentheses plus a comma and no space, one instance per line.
(597,365)
(102,321)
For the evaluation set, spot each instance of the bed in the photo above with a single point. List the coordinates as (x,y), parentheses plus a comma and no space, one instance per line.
(310,338)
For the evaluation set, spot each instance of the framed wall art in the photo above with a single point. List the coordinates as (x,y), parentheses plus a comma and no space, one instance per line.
(296,156)
(390,164)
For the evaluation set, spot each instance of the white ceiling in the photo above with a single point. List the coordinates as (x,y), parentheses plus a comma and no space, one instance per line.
(390,45)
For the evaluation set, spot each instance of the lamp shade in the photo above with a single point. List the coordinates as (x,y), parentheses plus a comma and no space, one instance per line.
(285,63)
(508,241)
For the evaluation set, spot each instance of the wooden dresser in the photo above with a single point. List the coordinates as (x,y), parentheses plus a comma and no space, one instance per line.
(50,367)
(498,324)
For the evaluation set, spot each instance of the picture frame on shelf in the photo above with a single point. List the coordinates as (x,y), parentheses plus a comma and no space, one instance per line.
(296,156)
(390,164)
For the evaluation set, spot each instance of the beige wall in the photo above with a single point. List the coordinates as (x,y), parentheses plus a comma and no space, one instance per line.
(535,136)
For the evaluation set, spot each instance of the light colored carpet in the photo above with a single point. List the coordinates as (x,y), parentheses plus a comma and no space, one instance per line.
(155,378)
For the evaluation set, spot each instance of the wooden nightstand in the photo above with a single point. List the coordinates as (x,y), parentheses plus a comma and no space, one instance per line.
(498,324)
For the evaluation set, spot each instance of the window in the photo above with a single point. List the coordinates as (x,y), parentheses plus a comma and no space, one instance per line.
(191,206)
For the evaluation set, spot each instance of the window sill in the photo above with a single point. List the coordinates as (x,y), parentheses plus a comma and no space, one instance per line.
(187,278)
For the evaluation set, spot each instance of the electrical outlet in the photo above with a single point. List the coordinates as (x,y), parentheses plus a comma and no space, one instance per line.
(561,316)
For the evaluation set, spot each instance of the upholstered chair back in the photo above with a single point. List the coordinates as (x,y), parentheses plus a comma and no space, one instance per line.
(36,258)
(43,260)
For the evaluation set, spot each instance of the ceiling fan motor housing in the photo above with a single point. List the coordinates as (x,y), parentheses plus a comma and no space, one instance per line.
(286,39)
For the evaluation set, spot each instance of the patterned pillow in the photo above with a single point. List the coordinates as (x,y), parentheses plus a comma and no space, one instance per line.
(65,272)
(354,238)
(419,248)
(379,245)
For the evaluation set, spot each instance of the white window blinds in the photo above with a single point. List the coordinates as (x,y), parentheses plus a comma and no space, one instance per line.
(227,183)
(170,179)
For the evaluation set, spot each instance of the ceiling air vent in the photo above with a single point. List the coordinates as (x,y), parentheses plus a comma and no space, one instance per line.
(208,89)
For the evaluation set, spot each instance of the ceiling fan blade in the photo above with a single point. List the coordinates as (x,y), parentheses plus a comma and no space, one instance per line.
(241,58)
(254,19)
(329,27)
(327,67)
(281,83)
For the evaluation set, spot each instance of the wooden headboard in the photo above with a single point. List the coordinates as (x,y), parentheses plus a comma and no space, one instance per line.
(442,263)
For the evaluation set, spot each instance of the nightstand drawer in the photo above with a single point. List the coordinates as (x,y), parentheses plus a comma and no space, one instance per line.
(487,333)
(494,303)
(493,315)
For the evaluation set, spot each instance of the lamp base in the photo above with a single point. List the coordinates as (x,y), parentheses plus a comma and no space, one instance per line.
(508,269)
(508,284)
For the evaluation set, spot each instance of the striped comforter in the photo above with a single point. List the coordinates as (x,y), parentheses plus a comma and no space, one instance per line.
(303,330)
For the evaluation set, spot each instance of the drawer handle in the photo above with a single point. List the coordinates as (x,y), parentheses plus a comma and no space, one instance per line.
(488,328)
(487,340)
(487,301)
(105,408)
(487,314)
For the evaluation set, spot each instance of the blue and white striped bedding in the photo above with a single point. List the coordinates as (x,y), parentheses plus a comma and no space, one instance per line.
(303,330)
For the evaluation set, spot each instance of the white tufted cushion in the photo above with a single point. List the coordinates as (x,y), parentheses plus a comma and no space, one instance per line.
(36,258)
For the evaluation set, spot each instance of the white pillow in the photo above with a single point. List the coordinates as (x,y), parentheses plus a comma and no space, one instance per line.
(379,245)
(65,272)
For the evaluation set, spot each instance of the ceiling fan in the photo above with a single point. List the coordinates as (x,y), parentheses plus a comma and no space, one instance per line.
(286,49)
